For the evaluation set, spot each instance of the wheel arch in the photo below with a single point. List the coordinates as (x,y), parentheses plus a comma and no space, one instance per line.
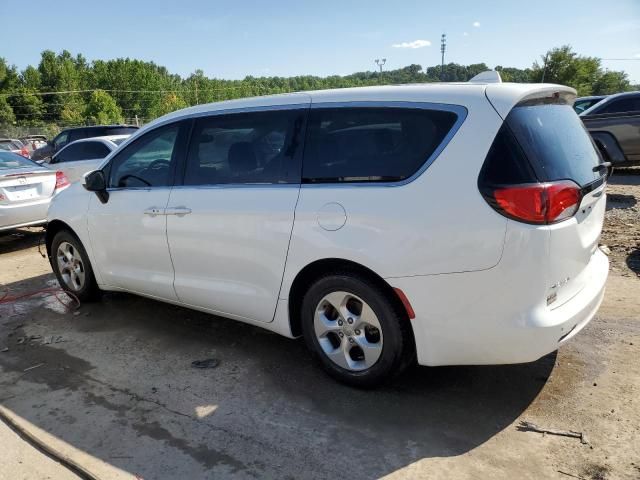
(53,227)
(608,145)
(319,268)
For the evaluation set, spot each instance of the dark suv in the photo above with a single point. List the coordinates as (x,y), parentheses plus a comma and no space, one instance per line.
(72,134)
(614,124)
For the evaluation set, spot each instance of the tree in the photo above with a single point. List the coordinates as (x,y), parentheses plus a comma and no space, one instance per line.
(169,102)
(7,116)
(611,82)
(565,67)
(26,106)
(102,109)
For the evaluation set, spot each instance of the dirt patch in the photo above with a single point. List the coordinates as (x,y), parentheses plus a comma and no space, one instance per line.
(621,232)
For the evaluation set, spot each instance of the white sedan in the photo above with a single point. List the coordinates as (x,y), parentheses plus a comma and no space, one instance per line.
(26,189)
(82,156)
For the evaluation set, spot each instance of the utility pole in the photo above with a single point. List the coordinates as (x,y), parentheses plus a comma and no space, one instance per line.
(380,63)
(544,70)
(443,48)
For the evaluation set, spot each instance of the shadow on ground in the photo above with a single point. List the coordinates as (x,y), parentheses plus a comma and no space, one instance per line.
(14,240)
(616,200)
(625,176)
(124,369)
(633,260)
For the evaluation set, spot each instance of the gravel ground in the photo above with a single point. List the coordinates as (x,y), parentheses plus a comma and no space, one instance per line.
(621,233)
(114,389)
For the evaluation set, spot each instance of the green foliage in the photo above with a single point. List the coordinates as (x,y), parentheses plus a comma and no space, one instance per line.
(167,104)
(102,109)
(111,91)
(611,82)
(564,66)
(7,116)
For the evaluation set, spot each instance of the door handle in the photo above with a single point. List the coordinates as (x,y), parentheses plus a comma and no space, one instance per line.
(153,211)
(179,211)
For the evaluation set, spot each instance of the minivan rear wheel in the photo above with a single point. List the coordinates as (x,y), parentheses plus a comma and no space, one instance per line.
(356,330)
(71,265)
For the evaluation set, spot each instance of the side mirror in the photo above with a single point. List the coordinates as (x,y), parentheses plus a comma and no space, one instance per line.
(96,182)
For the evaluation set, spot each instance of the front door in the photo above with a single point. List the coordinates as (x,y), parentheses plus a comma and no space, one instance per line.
(128,232)
(230,222)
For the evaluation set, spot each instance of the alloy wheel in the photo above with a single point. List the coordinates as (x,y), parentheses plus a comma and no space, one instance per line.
(348,331)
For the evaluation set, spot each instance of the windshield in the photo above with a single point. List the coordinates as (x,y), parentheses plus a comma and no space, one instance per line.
(556,143)
(581,105)
(10,161)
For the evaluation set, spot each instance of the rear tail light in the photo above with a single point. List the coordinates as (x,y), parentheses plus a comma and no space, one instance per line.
(61,180)
(538,203)
(24,152)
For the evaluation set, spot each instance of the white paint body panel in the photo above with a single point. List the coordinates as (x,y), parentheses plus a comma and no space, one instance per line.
(130,248)
(229,252)
(477,281)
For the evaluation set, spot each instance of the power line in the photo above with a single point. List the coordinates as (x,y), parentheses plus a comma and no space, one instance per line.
(200,90)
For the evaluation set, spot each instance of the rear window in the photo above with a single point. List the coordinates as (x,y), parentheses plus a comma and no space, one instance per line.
(371,144)
(556,143)
(9,161)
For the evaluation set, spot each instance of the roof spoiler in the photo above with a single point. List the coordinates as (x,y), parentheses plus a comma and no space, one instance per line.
(488,76)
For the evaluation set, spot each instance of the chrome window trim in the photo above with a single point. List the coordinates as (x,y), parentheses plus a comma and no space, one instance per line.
(459,110)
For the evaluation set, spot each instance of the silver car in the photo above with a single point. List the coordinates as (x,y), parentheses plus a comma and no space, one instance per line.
(26,189)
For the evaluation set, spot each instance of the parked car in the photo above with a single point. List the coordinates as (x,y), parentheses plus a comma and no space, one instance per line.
(79,157)
(14,145)
(72,134)
(448,224)
(614,124)
(33,142)
(583,103)
(26,189)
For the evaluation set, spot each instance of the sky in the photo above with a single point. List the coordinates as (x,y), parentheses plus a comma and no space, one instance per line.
(233,39)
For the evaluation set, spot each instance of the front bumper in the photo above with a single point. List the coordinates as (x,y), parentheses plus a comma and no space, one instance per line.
(476,318)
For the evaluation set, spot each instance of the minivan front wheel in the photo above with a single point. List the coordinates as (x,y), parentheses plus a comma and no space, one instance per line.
(355,329)
(72,268)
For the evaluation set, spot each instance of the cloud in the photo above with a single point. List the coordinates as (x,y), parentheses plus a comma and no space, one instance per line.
(465,34)
(476,24)
(414,44)
(637,55)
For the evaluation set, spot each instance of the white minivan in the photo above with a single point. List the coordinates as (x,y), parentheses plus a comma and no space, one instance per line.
(442,224)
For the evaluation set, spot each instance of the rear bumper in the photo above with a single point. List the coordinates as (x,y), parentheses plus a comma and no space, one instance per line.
(34,213)
(478,318)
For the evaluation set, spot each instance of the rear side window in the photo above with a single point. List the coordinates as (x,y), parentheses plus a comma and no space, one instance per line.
(93,150)
(119,131)
(83,151)
(622,105)
(245,148)
(555,142)
(371,144)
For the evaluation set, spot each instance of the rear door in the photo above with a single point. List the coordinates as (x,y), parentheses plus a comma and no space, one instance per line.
(558,147)
(230,223)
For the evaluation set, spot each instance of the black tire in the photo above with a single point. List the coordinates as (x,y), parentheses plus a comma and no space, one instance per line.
(89,290)
(398,347)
